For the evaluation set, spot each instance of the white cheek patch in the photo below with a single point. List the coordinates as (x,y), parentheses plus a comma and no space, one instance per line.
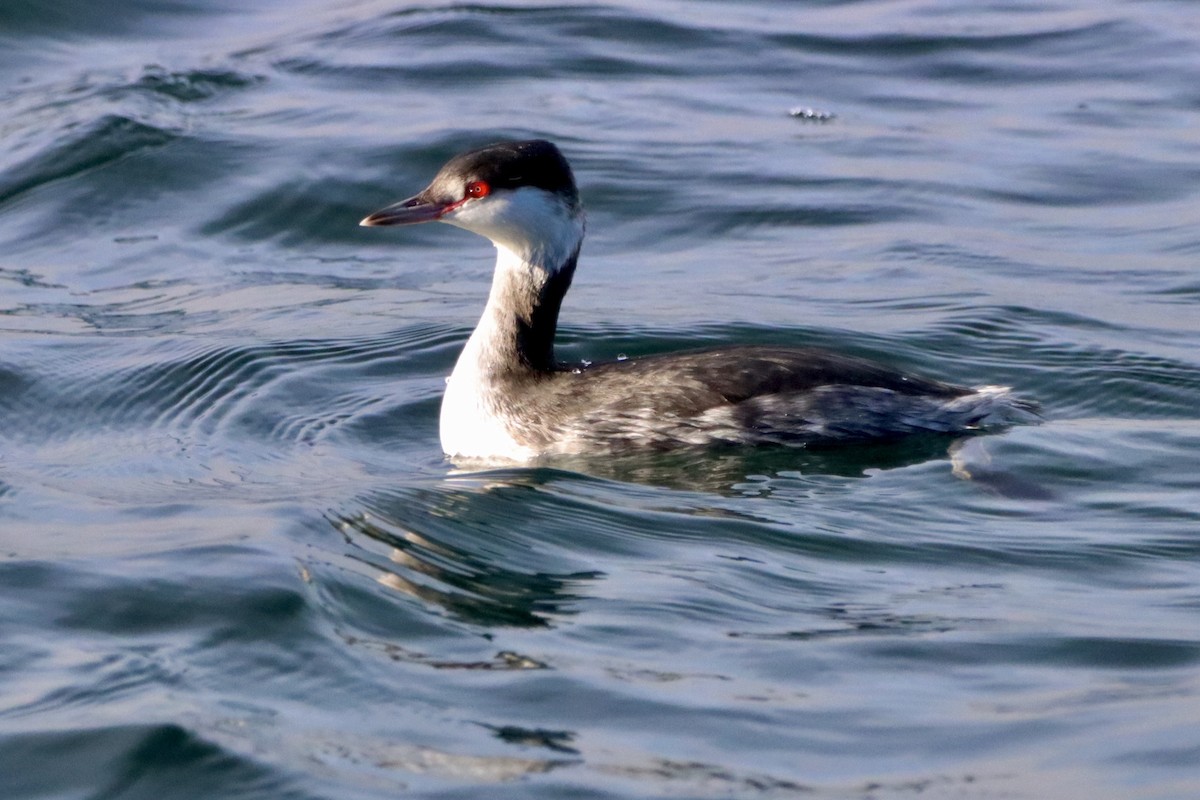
(536,226)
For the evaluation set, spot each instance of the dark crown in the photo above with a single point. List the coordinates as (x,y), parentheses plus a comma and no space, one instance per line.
(511,165)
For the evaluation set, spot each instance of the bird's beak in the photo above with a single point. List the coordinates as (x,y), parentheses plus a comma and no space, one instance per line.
(409,212)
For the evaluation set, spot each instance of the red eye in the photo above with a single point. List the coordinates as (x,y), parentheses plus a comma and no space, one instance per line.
(478,189)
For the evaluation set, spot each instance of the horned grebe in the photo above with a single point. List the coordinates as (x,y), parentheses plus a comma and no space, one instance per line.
(509,399)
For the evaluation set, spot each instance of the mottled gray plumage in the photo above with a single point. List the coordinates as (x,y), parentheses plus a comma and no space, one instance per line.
(730,396)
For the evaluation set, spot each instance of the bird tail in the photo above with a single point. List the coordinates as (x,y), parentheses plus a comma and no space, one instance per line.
(996,407)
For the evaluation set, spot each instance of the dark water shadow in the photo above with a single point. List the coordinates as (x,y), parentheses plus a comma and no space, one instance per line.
(727,472)
(518,546)
(464,552)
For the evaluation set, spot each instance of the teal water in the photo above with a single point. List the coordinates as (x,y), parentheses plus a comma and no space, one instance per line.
(234,563)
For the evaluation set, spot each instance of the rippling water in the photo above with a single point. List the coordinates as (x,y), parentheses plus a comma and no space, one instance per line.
(233,562)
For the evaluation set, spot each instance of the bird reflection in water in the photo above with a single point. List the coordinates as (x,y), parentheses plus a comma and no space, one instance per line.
(467,581)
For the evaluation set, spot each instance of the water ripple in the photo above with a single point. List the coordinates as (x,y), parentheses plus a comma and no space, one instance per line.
(224,511)
(109,138)
(188,413)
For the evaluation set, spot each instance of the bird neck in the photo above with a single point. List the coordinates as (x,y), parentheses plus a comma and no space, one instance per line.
(516,333)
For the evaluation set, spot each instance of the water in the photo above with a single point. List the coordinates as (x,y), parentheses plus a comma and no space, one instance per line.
(233,562)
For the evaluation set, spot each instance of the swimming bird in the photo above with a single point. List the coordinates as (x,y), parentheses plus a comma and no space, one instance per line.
(509,399)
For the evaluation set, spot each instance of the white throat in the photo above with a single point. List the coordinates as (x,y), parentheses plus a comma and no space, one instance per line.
(536,238)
